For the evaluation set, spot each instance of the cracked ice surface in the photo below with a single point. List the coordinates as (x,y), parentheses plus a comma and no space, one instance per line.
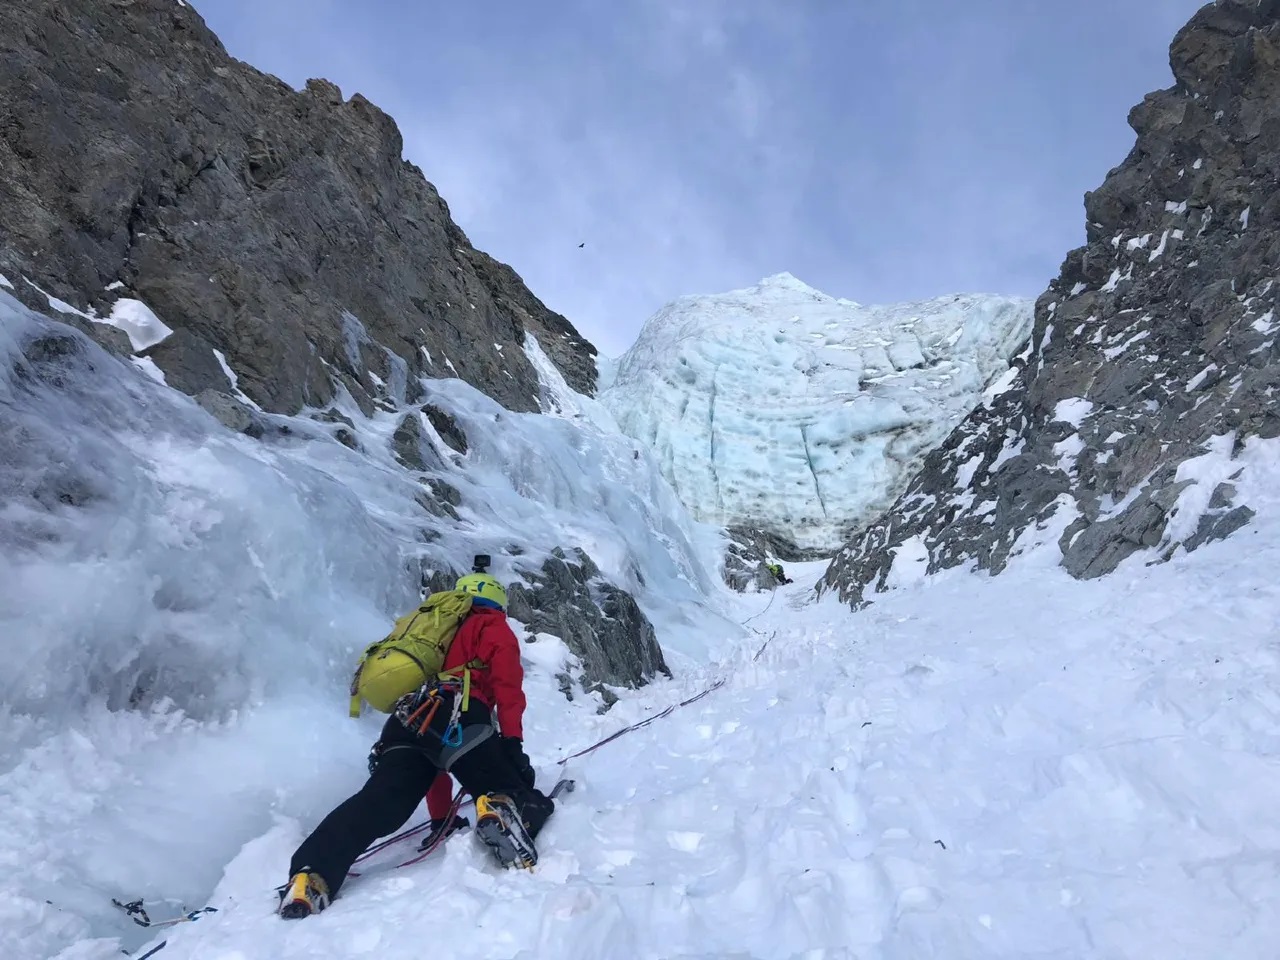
(783,408)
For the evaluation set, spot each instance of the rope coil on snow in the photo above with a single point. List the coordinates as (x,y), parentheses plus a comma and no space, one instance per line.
(773,594)
(768,640)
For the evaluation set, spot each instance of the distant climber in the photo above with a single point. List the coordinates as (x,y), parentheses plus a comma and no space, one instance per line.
(450,676)
(778,574)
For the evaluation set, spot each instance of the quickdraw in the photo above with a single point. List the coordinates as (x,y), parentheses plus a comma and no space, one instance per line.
(135,911)
(418,719)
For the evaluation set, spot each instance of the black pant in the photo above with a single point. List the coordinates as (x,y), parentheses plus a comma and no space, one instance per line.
(405,769)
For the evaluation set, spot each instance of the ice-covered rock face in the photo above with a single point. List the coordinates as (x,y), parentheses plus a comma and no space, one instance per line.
(783,409)
(149,556)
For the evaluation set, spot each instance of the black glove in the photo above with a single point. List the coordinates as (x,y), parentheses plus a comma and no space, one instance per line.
(515,753)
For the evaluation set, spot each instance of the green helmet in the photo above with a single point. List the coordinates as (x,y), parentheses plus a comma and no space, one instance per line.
(485,589)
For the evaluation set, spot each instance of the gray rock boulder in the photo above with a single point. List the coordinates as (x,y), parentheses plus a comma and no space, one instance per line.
(280,227)
(746,558)
(410,446)
(1155,345)
(602,624)
(450,431)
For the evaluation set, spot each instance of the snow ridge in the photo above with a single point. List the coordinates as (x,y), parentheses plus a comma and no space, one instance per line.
(782,408)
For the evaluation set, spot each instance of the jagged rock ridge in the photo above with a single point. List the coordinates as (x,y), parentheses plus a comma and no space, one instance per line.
(1155,345)
(280,228)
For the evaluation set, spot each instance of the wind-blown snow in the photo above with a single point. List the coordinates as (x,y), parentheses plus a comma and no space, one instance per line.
(782,408)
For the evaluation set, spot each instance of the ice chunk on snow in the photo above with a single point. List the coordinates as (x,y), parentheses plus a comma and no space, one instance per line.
(4,282)
(137,320)
(753,418)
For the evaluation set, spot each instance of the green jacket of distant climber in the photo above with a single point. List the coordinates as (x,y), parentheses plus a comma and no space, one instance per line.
(776,570)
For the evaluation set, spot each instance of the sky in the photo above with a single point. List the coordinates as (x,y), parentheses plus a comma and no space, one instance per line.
(879,150)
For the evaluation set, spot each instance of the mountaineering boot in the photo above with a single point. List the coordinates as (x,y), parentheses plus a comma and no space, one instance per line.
(434,832)
(305,893)
(499,826)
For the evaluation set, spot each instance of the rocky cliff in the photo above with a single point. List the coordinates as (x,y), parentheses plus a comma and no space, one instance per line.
(280,228)
(1156,346)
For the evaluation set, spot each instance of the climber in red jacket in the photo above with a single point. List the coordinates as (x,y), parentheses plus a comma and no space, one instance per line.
(485,636)
(476,734)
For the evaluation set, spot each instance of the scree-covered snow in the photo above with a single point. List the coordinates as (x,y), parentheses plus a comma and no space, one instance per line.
(780,408)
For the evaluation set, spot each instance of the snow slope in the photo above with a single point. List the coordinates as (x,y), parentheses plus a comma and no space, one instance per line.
(973,767)
(1012,767)
(781,408)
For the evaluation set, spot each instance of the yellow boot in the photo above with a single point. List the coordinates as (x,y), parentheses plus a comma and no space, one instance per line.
(305,893)
(500,827)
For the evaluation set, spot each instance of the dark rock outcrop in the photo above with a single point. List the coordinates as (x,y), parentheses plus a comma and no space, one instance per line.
(1156,344)
(411,447)
(282,228)
(445,425)
(746,559)
(601,623)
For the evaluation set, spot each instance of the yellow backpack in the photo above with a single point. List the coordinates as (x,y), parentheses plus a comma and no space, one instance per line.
(414,651)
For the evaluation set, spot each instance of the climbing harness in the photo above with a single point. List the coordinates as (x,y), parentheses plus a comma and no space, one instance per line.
(417,712)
